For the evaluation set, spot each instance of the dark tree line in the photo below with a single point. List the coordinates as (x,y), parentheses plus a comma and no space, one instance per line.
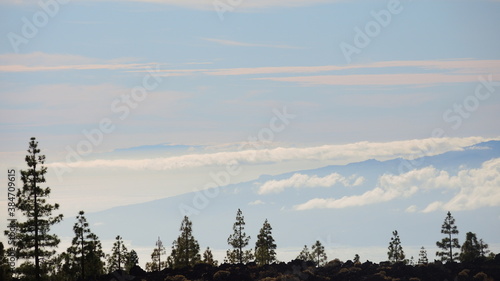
(471,250)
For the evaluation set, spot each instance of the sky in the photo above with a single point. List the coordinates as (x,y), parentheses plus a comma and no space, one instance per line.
(137,100)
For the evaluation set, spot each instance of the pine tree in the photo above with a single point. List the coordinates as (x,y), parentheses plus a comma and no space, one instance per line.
(395,253)
(239,240)
(156,264)
(86,250)
(83,258)
(131,261)
(160,250)
(422,256)
(305,255)
(118,255)
(185,249)
(95,264)
(33,241)
(208,257)
(483,248)
(471,249)
(81,229)
(318,253)
(448,243)
(265,247)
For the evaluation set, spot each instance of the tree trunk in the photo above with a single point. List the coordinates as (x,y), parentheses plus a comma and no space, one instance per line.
(35,215)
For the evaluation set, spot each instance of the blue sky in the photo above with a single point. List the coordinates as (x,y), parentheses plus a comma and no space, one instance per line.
(269,76)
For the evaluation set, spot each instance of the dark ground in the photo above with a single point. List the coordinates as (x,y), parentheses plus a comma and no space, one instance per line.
(335,270)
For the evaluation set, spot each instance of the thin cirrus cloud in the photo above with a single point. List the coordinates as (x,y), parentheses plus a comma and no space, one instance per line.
(448,71)
(337,154)
(437,72)
(377,79)
(463,66)
(475,188)
(244,44)
(212,5)
(39,61)
(301,181)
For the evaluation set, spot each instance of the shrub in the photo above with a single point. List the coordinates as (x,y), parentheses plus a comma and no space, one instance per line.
(481,276)
(221,275)
(176,278)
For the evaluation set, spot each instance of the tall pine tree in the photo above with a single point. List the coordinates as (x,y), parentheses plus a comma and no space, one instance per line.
(86,250)
(395,253)
(265,247)
(119,254)
(160,250)
(448,243)
(185,249)
(33,241)
(318,253)
(238,240)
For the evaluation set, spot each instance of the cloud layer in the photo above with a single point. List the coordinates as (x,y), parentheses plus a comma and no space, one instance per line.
(338,154)
(473,188)
(301,181)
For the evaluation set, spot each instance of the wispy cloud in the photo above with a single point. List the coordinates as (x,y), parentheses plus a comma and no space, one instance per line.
(256,202)
(377,79)
(301,181)
(435,72)
(449,71)
(39,61)
(475,188)
(243,44)
(463,66)
(209,5)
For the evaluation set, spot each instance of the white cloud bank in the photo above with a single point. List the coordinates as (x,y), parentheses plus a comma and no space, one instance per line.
(300,181)
(373,196)
(475,188)
(337,154)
